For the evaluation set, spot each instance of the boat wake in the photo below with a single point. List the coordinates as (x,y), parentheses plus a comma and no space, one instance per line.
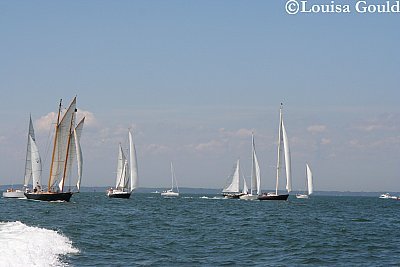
(23,245)
(205,197)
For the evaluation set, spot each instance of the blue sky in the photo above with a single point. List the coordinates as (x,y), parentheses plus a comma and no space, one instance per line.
(194,78)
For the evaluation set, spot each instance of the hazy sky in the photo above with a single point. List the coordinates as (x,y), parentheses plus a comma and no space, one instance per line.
(194,78)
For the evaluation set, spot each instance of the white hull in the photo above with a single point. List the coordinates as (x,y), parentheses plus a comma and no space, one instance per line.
(14,194)
(388,196)
(302,196)
(115,192)
(170,193)
(249,197)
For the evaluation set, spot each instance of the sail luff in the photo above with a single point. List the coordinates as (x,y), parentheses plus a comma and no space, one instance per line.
(288,164)
(36,165)
(133,163)
(309,180)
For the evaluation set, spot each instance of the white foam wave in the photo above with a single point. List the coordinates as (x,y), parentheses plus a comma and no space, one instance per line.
(205,197)
(23,245)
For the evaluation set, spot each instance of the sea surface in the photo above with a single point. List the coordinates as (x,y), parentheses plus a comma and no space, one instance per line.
(200,230)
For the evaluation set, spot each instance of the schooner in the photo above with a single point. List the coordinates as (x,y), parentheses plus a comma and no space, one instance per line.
(66,149)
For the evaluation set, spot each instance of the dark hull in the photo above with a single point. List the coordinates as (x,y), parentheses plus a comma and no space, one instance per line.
(273,197)
(233,195)
(120,195)
(49,196)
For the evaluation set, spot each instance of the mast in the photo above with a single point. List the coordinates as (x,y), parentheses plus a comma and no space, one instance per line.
(54,147)
(279,150)
(66,156)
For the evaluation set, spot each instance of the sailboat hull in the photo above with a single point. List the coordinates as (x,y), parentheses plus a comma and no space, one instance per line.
(233,195)
(301,196)
(273,197)
(125,195)
(11,193)
(249,197)
(118,194)
(169,194)
(50,196)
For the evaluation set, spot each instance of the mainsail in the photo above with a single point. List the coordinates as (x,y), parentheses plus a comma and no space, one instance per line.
(283,140)
(64,128)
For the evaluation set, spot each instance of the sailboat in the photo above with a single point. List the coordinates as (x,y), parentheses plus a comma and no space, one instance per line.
(66,149)
(282,141)
(33,167)
(255,182)
(127,173)
(171,192)
(309,183)
(231,190)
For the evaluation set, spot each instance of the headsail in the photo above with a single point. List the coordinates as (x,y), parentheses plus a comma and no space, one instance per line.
(309,179)
(255,172)
(28,164)
(120,181)
(79,157)
(36,164)
(245,188)
(233,182)
(287,160)
(133,163)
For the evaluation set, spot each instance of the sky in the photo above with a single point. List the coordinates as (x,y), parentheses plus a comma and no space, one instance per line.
(193,79)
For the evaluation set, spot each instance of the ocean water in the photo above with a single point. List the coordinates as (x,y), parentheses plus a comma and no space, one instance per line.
(197,230)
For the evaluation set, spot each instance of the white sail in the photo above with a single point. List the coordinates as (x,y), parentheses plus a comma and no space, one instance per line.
(255,172)
(233,185)
(79,157)
(133,163)
(36,165)
(309,179)
(287,160)
(173,179)
(28,164)
(278,164)
(63,133)
(120,166)
(245,188)
(125,175)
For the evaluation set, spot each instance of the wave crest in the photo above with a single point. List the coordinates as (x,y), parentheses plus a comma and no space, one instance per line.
(23,245)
